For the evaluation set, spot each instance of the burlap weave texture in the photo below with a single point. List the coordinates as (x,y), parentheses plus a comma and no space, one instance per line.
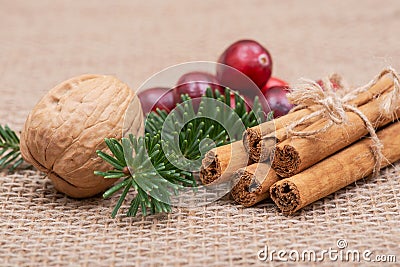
(45,42)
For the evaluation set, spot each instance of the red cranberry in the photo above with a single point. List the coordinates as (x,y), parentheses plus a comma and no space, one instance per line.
(272,82)
(248,102)
(334,84)
(277,100)
(195,84)
(250,58)
(157,97)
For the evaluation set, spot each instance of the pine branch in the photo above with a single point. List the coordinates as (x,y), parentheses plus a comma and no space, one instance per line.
(10,155)
(151,165)
(149,178)
(143,164)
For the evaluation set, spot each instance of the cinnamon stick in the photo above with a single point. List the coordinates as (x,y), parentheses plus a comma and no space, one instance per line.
(215,164)
(220,163)
(258,141)
(296,154)
(260,150)
(337,171)
(252,183)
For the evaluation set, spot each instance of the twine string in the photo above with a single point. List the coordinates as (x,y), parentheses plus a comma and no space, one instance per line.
(334,106)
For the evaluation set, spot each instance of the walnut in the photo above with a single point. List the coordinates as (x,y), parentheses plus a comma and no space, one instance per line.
(67,126)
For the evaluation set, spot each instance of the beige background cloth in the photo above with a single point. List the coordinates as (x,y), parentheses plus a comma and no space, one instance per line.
(45,42)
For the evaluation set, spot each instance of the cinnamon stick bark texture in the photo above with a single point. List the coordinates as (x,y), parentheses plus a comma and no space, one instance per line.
(384,84)
(220,163)
(252,137)
(296,154)
(252,183)
(335,172)
(259,140)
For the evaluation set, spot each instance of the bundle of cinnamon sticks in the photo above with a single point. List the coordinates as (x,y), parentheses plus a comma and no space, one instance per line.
(309,153)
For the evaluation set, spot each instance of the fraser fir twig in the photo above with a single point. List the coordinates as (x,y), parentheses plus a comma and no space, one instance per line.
(142,162)
(150,174)
(156,176)
(10,156)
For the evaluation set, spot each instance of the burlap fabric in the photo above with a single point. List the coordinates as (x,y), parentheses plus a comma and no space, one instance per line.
(45,42)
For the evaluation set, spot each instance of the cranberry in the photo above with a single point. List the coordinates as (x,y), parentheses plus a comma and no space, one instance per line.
(272,82)
(277,100)
(250,58)
(195,84)
(157,97)
(248,102)
(334,84)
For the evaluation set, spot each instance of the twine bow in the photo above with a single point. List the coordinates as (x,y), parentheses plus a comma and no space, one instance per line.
(334,105)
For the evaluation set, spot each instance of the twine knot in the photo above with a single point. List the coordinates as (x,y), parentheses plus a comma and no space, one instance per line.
(334,105)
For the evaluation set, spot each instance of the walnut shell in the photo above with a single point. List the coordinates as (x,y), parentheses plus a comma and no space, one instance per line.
(67,126)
